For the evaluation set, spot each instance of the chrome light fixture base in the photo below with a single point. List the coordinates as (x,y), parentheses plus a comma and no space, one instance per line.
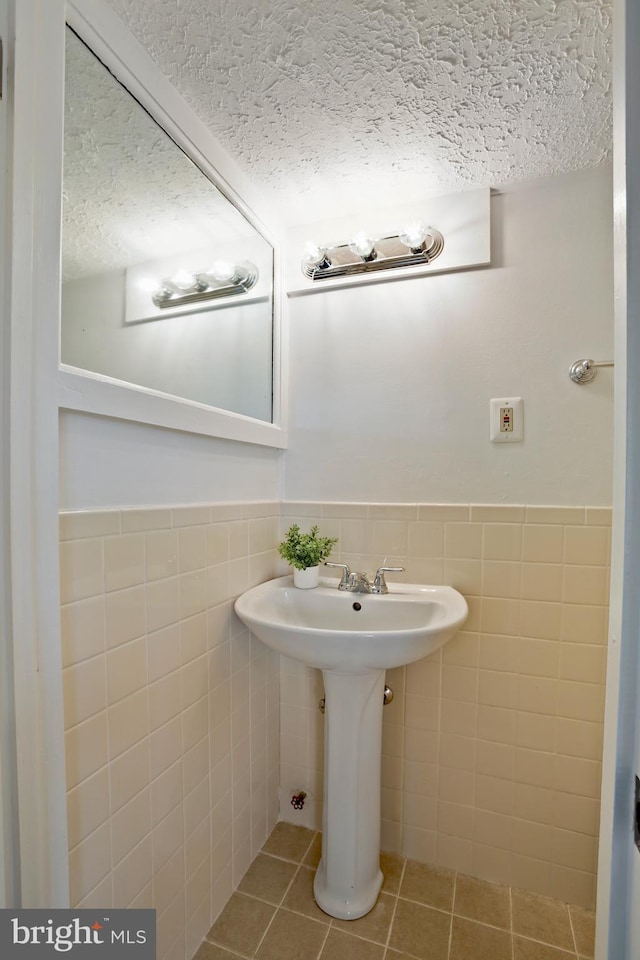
(242,278)
(387,254)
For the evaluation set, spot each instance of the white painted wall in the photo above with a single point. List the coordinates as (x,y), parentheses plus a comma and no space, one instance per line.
(390,384)
(113,463)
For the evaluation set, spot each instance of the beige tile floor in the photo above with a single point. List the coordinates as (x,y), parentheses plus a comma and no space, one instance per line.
(422,912)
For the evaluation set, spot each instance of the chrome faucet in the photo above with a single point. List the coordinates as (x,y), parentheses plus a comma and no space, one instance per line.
(354,582)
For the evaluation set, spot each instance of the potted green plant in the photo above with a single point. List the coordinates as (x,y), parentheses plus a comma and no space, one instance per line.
(305,552)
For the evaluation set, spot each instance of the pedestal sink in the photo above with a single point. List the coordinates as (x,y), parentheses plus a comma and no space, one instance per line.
(352,638)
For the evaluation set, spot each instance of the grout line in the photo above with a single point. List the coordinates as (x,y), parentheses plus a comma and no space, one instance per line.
(279,906)
(481,923)
(309,845)
(395,907)
(573,932)
(270,903)
(329,926)
(545,943)
(453,904)
(251,896)
(276,856)
(358,936)
(267,928)
(422,903)
(513,942)
(243,956)
(289,885)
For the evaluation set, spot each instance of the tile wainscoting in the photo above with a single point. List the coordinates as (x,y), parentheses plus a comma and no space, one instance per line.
(492,746)
(171,710)
(181,728)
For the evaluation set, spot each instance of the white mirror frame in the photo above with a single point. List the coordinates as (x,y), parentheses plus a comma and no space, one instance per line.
(81,390)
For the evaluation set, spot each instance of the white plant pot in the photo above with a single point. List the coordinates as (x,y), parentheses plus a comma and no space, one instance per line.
(306,579)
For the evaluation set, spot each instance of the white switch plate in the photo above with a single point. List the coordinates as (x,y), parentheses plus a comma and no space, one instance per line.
(506,420)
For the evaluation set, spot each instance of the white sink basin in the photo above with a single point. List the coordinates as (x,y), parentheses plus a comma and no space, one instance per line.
(338,630)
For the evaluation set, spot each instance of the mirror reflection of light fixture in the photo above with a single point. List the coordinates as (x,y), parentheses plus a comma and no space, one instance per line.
(222,279)
(184,282)
(417,244)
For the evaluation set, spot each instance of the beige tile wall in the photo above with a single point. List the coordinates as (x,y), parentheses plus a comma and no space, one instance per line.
(491,753)
(171,710)
(492,746)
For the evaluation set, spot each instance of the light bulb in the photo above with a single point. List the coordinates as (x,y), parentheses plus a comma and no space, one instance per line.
(362,245)
(162,294)
(414,235)
(184,281)
(314,255)
(223,271)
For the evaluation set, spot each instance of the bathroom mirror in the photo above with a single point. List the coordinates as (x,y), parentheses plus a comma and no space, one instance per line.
(167,286)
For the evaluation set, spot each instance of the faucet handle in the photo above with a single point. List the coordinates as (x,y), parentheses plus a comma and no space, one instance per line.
(379,583)
(346,573)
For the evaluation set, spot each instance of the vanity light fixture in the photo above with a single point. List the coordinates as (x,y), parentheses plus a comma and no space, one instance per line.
(416,244)
(222,279)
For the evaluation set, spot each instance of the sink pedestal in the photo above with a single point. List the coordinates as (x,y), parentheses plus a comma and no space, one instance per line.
(349,878)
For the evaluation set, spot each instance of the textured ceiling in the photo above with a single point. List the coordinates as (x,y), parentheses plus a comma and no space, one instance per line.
(130,194)
(336,104)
